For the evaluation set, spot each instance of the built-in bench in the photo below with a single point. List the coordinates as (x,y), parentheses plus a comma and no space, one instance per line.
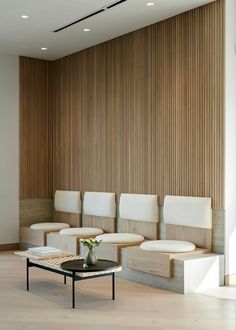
(67,206)
(98,216)
(138,221)
(169,264)
(173,262)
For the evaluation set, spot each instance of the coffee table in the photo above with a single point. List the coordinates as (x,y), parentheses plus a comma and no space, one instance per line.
(79,272)
(72,268)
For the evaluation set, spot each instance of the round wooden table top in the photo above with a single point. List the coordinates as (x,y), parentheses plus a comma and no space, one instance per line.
(78,266)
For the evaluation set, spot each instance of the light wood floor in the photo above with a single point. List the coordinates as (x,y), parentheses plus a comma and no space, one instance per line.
(47,304)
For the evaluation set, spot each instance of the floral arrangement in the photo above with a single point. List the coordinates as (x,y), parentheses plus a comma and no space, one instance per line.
(90,242)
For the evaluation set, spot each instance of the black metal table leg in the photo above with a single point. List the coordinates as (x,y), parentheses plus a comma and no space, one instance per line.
(73,290)
(113,286)
(27,274)
(64,279)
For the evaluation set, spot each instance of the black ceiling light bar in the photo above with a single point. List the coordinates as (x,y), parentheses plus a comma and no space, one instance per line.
(90,15)
(115,4)
(80,20)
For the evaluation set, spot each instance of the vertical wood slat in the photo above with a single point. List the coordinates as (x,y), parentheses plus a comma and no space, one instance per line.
(142,113)
(35,128)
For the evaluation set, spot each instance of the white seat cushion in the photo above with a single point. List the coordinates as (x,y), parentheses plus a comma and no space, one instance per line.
(47,226)
(168,246)
(86,231)
(120,238)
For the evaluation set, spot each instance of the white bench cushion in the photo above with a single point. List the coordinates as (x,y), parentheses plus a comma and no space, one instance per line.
(100,204)
(188,211)
(120,238)
(168,246)
(139,207)
(49,226)
(86,231)
(67,201)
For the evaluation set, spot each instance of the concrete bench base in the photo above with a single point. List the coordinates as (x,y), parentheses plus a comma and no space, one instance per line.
(32,236)
(189,273)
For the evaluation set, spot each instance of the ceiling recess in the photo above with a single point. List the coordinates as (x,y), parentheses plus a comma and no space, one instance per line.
(99,11)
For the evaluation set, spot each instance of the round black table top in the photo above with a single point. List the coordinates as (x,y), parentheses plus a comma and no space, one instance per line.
(78,266)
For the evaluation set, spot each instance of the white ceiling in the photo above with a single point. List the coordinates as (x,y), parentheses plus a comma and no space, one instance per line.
(26,37)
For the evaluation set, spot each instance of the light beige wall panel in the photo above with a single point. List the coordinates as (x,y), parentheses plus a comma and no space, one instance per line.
(149,230)
(34,210)
(73,219)
(108,225)
(201,237)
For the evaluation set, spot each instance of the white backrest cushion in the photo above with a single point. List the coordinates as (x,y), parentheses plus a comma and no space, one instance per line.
(67,201)
(139,207)
(101,204)
(188,211)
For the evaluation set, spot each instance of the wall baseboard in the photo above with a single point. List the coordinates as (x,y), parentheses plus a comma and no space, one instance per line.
(9,247)
(230,279)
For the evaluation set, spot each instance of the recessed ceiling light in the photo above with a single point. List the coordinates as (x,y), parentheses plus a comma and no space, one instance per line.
(43,48)
(24,16)
(150,4)
(86,30)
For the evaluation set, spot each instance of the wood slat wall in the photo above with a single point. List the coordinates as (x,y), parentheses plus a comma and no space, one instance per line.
(35,128)
(142,113)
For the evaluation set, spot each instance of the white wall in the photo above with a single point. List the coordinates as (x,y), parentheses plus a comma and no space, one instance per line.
(9,144)
(230,137)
